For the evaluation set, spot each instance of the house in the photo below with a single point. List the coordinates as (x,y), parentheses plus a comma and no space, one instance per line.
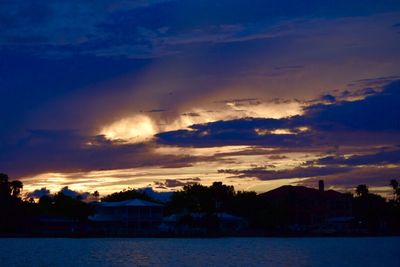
(303,206)
(127,217)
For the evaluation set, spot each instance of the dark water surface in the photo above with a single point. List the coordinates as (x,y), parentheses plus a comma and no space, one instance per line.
(375,251)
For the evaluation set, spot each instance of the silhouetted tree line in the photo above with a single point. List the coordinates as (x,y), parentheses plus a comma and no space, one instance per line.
(17,215)
(12,209)
(211,200)
(374,212)
(371,211)
(126,195)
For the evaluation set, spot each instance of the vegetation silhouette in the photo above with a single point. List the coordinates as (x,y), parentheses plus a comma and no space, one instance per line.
(369,209)
(362,190)
(396,189)
(125,195)
(13,210)
(265,213)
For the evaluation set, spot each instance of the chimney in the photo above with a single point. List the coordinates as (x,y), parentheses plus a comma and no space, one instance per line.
(321,185)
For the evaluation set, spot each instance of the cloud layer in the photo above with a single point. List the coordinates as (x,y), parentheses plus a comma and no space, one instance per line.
(262,92)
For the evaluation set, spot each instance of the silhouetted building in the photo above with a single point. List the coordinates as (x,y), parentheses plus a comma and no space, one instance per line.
(130,216)
(299,205)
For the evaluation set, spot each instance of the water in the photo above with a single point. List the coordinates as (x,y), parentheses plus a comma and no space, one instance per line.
(377,251)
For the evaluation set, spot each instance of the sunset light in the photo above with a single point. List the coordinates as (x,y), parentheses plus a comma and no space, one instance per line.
(199,118)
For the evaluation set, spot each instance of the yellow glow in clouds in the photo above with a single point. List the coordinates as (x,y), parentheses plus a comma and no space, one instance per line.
(140,128)
(134,129)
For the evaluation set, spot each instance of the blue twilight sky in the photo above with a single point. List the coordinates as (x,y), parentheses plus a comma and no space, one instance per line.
(113,94)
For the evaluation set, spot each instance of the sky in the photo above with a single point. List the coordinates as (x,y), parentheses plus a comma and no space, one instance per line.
(108,95)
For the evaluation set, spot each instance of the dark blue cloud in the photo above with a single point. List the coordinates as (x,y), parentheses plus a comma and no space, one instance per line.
(64,28)
(379,112)
(299,172)
(328,98)
(27,83)
(235,132)
(68,151)
(383,157)
(54,52)
(366,85)
(15,14)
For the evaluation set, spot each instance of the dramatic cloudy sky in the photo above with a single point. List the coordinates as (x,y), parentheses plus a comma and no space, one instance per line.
(105,95)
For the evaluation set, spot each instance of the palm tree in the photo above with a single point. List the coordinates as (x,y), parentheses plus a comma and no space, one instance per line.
(362,190)
(9,189)
(16,187)
(396,188)
(96,195)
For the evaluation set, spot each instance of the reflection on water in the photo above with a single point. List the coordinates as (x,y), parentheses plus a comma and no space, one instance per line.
(380,251)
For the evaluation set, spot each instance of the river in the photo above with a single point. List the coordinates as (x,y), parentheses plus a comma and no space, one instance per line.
(366,251)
